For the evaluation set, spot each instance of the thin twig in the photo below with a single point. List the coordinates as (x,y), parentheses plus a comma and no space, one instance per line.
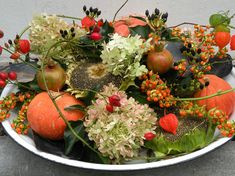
(24,30)
(69,17)
(185,23)
(22,60)
(119,10)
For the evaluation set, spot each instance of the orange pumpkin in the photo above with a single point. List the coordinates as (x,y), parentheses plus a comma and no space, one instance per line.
(224,102)
(44,119)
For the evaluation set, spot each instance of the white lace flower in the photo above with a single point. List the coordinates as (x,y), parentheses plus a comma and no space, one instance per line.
(120,134)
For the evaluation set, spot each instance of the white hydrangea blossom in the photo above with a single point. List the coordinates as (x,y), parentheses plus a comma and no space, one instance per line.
(120,134)
(123,55)
(45,31)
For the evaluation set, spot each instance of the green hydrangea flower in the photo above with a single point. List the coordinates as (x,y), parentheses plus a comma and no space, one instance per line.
(123,56)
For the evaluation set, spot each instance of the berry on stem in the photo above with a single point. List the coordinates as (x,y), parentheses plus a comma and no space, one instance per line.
(15,56)
(24,46)
(149,136)
(12,75)
(3,76)
(96,36)
(88,22)
(109,108)
(1,34)
(2,83)
(114,100)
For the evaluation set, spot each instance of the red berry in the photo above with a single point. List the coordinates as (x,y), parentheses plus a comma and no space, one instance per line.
(95,36)
(88,22)
(222,39)
(109,108)
(232,43)
(24,46)
(96,29)
(1,34)
(12,75)
(114,100)
(3,76)
(169,123)
(100,23)
(0,50)
(15,56)
(149,136)
(2,83)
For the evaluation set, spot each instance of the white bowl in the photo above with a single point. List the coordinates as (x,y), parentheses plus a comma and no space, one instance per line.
(28,143)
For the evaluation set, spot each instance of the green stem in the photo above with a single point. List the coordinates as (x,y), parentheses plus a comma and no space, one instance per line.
(24,30)
(54,102)
(22,60)
(206,97)
(69,17)
(20,85)
(119,10)
(219,62)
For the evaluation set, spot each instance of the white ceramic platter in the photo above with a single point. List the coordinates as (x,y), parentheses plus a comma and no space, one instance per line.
(28,143)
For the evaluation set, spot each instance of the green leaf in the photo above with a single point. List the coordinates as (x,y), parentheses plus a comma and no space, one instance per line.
(143,31)
(127,83)
(33,85)
(86,154)
(138,17)
(196,139)
(106,29)
(75,107)
(90,96)
(70,139)
(167,35)
(137,95)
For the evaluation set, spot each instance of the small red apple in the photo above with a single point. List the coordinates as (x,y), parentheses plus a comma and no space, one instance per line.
(159,62)
(55,77)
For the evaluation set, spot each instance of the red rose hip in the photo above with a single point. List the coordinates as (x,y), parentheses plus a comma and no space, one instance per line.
(12,75)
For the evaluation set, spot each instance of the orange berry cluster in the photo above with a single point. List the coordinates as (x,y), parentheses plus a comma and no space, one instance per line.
(188,108)
(9,103)
(180,66)
(219,118)
(199,70)
(198,47)
(20,124)
(222,52)
(216,116)
(156,90)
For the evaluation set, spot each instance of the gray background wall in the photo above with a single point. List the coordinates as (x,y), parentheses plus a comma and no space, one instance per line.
(15,14)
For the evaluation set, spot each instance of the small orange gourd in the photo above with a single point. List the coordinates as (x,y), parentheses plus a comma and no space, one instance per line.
(224,102)
(44,119)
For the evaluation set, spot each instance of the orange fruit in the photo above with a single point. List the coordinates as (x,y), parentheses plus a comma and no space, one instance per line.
(45,120)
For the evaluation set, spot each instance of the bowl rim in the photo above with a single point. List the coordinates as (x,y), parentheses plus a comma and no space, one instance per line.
(105,167)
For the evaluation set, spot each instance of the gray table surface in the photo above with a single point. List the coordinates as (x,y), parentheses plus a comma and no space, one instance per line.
(17,161)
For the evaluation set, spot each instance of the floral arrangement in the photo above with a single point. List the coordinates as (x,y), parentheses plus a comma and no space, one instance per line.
(112,91)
